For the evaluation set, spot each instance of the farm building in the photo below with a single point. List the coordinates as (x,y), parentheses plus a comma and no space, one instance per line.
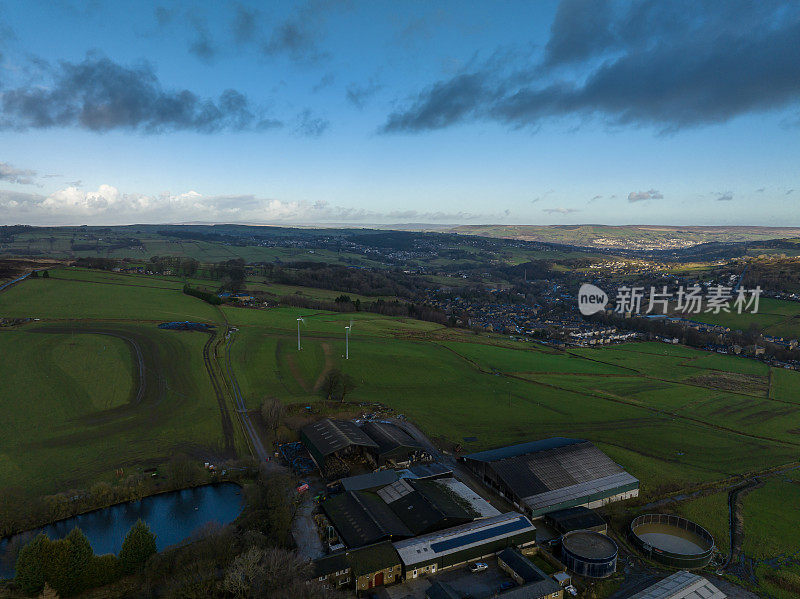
(328,439)
(365,568)
(362,518)
(532,582)
(681,585)
(426,506)
(576,518)
(430,470)
(371,480)
(552,474)
(432,552)
(394,445)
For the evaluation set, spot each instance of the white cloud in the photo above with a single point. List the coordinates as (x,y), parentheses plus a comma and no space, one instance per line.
(638,196)
(107,205)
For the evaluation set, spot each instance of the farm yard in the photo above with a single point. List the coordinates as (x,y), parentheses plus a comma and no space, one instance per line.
(674,417)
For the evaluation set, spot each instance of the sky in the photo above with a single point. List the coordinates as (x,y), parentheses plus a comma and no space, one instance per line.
(321,112)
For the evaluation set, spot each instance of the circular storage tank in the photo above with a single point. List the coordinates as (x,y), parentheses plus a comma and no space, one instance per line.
(672,540)
(589,553)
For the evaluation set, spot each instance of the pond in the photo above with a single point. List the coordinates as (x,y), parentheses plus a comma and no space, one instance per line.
(173,517)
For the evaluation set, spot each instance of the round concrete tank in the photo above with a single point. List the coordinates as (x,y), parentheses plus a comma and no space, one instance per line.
(589,553)
(672,540)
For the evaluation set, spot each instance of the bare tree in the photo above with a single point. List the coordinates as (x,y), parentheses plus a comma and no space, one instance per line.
(273,411)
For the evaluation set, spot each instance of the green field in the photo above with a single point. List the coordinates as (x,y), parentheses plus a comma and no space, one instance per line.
(779,318)
(673,416)
(75,408)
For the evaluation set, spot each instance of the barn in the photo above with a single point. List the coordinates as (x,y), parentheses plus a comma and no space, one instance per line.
(552,474)
(395,446)
(332,440)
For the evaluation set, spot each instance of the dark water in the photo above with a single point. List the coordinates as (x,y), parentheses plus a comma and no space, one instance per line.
(172,517)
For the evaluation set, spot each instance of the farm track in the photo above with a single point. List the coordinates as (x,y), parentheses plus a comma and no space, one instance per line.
(227,424)
(241,406)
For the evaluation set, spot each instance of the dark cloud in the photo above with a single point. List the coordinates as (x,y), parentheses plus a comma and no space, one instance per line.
(202,46)
(100,95)
(358,95)
(595,198)
(298,35)
(326,81)
(16,175)
(640,196)
(760,190)
(725,197)
(579,30)
(164,15)
(245,21)
(310,125)
(445,103)
(668,65)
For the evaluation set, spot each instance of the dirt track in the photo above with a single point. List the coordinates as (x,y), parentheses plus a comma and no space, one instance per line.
(227,423)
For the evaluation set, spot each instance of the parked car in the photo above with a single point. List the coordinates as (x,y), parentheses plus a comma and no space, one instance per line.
(478,567)
(505,585)
(571,590)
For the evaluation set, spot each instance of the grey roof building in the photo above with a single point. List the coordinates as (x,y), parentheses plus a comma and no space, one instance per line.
(362,518)
(371,480)
(425,506)
(454,546)
(681,585)
(553,474)
(393,443)
(327,437)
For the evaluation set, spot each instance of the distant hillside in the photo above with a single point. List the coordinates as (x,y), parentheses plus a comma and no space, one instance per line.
(629,237)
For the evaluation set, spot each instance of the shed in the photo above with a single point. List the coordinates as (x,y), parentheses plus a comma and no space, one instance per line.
(328,437)
(393,443)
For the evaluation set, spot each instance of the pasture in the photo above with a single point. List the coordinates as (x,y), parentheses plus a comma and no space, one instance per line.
(660,410)
(673,416)
(75,409)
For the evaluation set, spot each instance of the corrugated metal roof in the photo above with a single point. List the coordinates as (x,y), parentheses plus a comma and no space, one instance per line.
(501,453)
(371,480)
(329,436)
(362,518)
(681,585)
(555,471)
(390,437)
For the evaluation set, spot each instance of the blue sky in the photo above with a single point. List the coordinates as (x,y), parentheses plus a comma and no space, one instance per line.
(381,112)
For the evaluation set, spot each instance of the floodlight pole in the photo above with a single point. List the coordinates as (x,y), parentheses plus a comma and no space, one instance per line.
(346,343)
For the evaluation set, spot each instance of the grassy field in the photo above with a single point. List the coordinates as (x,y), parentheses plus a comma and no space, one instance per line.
(74,299)
(710,512)
(665,412)
(673,416)
(78,411)
(779,318)
(74,416)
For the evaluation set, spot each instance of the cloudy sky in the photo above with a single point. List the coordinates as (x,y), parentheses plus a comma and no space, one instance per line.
(384,111)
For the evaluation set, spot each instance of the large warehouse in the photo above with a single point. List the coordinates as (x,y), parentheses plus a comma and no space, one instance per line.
(552,474)
(430,553)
